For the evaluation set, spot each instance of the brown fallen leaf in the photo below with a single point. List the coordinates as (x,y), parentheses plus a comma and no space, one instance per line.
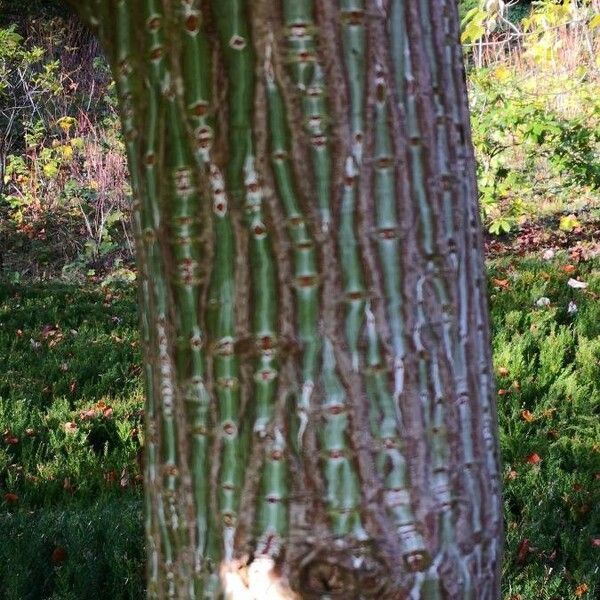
(523,550)
(527,416)
(58,556)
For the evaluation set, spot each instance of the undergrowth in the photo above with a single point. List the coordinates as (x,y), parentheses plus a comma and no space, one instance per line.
(70,490)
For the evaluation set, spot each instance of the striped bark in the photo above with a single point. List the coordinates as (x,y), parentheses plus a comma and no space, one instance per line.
(320,417)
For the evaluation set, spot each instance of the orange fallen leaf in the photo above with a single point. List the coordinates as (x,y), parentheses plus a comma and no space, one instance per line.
(527,416)
(502,371)
(503,392)
(512,474)
(107,412)
(534,458)
(11,498)
(568,268)
(581,589)
(501,283)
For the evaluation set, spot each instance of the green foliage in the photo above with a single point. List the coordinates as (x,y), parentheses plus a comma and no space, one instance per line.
(64,194)
(99,543)
(547,364)
(526,151)
(534,89)
(70,425)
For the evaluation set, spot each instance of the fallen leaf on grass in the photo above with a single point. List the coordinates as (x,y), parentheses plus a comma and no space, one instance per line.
(534,458)
(576,284)
(523,550)
(59,555)
(502,371)
(581,589)
(88,414)
(568,268)
(527,416)
(501,283)
(70,427)
(595,542)
(503,392)
(548,254)
(10,439)
(124,481)
(11,498)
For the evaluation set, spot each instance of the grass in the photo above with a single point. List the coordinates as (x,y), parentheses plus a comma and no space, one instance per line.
(70,505)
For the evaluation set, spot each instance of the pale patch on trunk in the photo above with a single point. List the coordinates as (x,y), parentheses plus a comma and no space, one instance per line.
(257,581)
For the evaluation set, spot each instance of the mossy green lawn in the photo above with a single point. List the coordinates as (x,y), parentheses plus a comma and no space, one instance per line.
(70,402)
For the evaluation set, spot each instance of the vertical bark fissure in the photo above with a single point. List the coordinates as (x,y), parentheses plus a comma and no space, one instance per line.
(306,277)
(219,301)
(234,32)
(307,75)
(386,232)
(173,473)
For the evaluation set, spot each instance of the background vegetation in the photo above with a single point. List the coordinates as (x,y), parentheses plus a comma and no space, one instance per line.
(70,389)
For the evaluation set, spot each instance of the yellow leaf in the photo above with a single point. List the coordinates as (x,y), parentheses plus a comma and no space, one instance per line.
(65,123)
(568,223)
(595,22)
(67,151)
(502,74)
(50,169)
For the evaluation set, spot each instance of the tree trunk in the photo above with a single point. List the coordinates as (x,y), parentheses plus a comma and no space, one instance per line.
(320,417)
